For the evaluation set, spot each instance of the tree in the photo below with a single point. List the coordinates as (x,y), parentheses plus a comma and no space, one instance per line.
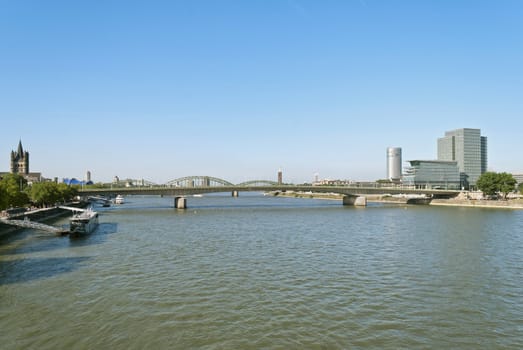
(3,196)
(12,192)
(506,183)
(487,183)
(43,193)
(491,183)
(67,193)
(48,193)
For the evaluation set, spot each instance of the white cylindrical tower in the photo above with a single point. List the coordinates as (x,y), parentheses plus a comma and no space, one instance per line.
(394,163)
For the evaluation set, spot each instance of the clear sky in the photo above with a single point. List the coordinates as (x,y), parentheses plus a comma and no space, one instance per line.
(238,89)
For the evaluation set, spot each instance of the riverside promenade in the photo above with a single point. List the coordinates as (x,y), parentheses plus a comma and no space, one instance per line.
(479,203)
(452,202)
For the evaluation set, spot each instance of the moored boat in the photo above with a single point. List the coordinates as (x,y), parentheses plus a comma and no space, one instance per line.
(119,199)
(83,223)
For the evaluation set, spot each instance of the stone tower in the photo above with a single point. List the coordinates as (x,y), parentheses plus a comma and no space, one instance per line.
(20,161)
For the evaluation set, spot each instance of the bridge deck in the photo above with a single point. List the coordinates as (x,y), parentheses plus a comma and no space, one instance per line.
(346,190)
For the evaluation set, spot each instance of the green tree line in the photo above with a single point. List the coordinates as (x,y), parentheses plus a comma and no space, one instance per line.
(491,183)
(15,192)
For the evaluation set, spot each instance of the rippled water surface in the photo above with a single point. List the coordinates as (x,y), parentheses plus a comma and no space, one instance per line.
(275,273)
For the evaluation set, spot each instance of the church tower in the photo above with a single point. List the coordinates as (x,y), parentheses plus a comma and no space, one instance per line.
(20,161)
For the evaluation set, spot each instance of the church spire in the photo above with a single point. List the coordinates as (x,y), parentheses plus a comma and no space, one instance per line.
(20,149)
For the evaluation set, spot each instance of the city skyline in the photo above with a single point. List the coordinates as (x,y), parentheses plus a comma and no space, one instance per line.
(238,90)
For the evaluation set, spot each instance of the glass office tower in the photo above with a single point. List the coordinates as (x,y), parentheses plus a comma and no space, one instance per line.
(469,149)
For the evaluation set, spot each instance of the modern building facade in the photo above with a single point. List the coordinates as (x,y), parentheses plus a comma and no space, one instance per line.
(468,149)
(394,164)
(430,174)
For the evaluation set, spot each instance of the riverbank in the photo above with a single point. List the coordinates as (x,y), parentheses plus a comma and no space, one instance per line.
(452,202)
(472,203)
(39,215)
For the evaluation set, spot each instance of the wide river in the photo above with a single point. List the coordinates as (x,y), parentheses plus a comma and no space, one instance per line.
(259,272)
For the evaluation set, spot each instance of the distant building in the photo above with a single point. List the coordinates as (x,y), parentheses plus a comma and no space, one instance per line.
(329,182)
(20,161)
(74,181)
(518,178)
(20,165)
(394,164)
(469,149)
(280,177)
(431,174)
(88,176)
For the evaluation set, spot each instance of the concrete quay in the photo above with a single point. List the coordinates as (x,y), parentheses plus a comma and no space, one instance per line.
(38,215)
(469,203)
(475,203)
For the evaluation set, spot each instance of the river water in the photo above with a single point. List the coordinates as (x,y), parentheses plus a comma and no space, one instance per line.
(259,272)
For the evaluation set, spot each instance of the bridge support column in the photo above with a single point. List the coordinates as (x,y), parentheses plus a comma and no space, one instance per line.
(357,201)
(180,203)
(235,193)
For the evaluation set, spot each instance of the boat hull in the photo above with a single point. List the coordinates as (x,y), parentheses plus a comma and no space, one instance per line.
(80,226)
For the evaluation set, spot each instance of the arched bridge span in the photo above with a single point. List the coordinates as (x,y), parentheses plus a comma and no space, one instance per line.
(198,181)
(210,181)
(258,183)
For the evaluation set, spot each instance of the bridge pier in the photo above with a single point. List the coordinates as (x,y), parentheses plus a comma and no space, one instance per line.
(235,193)
(180,203)
(357,201)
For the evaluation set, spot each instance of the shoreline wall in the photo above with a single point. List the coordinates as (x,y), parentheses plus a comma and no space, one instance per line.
(468,203)
(41,215)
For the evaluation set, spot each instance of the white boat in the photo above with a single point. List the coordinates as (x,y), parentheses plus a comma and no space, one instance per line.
(83,223)
(119,199)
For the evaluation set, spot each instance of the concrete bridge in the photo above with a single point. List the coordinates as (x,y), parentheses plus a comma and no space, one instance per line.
(192,185)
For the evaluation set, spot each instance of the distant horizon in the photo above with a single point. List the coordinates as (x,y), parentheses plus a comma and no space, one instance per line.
(124,178)
(238,90)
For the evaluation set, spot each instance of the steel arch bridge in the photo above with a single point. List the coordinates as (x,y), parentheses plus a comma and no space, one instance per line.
(137,182)
(258,183)
(193,181)
(209,181)
(198,181)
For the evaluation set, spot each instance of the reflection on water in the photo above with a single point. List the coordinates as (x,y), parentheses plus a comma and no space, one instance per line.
(29,269)
(263,272)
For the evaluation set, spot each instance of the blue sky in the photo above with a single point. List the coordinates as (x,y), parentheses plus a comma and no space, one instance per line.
(238,89)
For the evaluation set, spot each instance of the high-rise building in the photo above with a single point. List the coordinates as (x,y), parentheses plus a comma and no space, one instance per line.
(469,149)
(20,161)
(280,177)
(394,163)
